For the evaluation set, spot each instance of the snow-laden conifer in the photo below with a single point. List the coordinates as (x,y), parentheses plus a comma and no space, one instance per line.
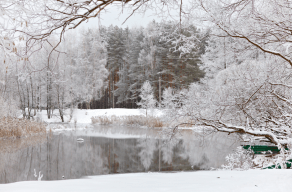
(147,97)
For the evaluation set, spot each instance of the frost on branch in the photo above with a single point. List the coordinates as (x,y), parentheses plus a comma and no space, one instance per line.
(262,25)
(253,98)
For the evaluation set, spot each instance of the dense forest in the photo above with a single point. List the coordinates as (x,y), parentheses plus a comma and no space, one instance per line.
(102,68)
(137,55)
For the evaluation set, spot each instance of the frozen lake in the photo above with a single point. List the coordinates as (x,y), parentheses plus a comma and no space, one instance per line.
(112,150)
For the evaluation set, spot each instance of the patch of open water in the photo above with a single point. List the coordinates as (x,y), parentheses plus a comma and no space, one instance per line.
(126,150)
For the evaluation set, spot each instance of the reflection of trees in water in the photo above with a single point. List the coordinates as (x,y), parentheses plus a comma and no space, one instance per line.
(90,158)
(208,151)
(62,155)
(146,153)
(10,155)
(167,149)
(126,156)
(16,165)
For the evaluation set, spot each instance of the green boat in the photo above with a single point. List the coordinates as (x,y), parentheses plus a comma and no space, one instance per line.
(265,149)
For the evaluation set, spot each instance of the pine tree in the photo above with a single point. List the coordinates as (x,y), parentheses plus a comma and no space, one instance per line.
(116,59)
(122,86)
(135,70)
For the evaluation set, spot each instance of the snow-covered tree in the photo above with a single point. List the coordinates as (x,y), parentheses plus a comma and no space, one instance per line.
(249,65)
(168,98)
(91,70)
(172,100)
(147,98)
(253,99)
(261,25)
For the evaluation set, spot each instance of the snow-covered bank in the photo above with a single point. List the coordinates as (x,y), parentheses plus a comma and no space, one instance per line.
(84,115)
(219,181)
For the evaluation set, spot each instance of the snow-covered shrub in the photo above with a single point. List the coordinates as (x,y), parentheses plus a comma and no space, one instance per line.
(241,159)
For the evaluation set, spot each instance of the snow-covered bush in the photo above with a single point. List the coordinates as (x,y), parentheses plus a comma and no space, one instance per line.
(147,97)
(241,159)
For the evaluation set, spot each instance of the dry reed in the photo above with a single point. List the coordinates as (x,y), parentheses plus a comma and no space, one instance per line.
(137,120)
(103,120)
(16,128)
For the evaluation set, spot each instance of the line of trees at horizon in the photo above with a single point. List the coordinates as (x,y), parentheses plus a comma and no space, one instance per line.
(101,68)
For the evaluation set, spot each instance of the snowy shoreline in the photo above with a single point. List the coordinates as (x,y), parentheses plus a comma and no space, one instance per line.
(84,115)
(219,181)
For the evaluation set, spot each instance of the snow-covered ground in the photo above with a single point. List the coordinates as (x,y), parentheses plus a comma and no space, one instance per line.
(84,116)
(213,181)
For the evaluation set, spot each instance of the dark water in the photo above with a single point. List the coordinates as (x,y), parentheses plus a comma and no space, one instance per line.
(60,156)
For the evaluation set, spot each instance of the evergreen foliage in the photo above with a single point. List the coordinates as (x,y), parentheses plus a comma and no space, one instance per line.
(140,54)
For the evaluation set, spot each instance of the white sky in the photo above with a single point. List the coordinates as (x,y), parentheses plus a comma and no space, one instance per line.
(113,16)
